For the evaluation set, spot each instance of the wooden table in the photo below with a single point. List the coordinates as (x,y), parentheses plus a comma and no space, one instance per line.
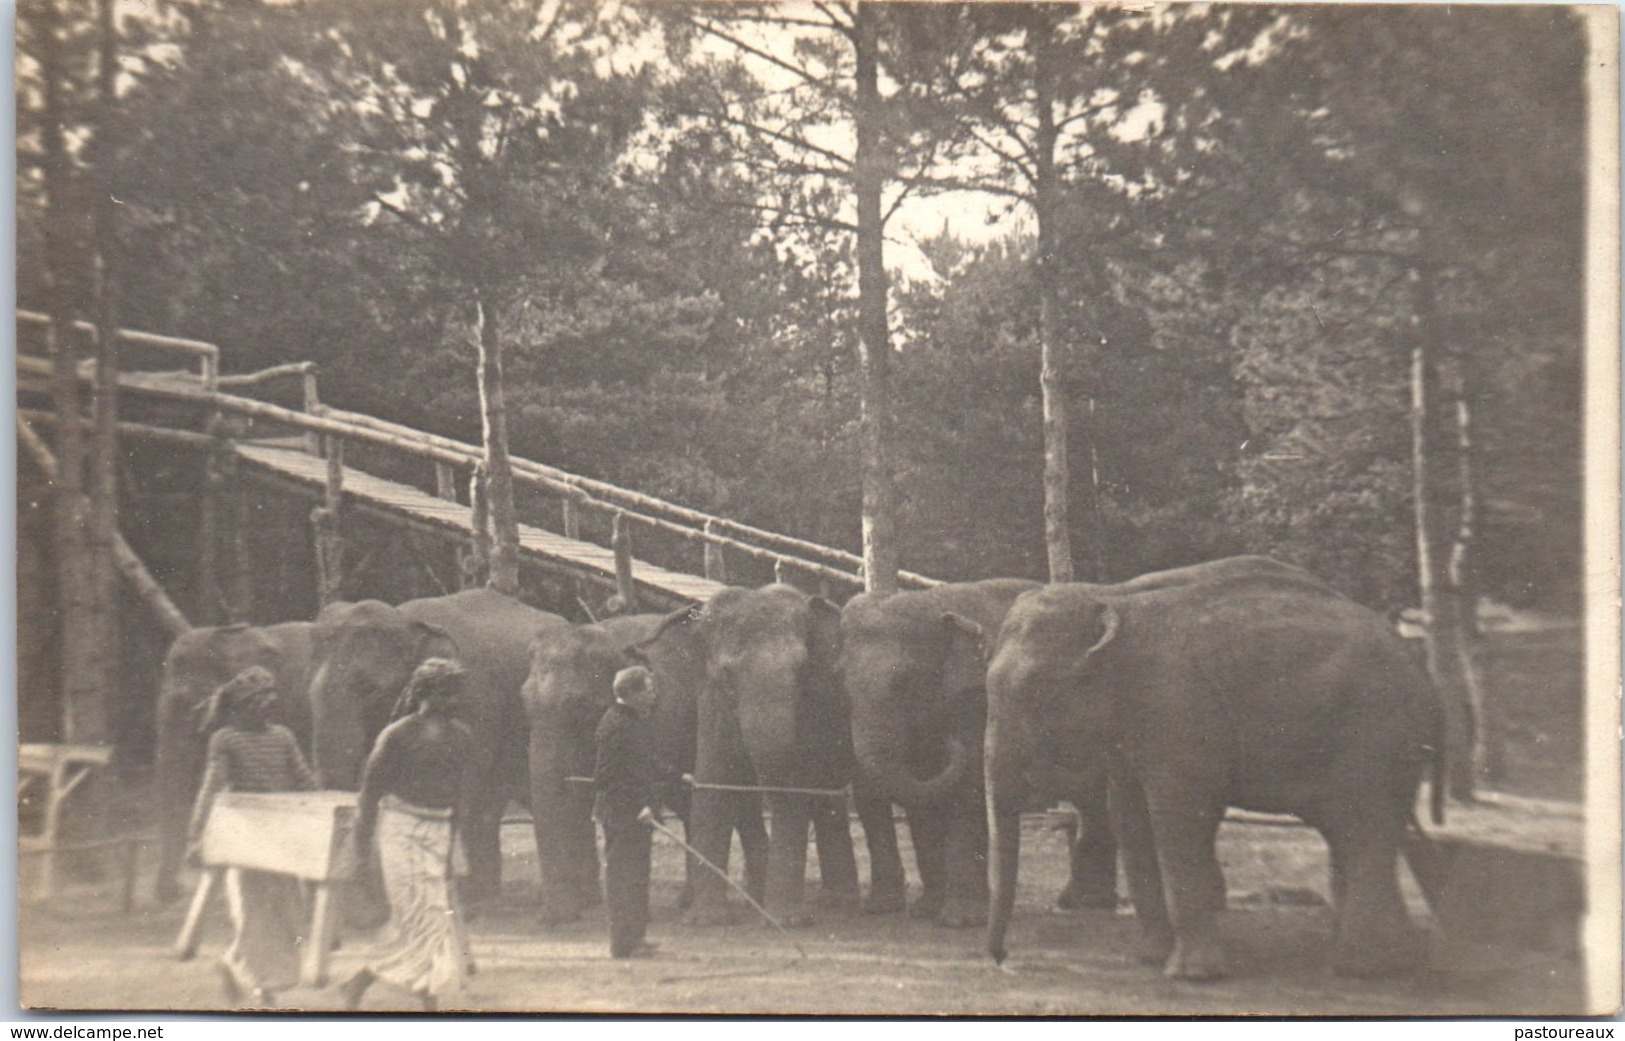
(48,775)
(303,834)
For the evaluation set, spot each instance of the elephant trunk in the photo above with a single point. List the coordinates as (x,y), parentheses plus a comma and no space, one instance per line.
(1005,752)
(881,747)
(1005,844)
(339,742)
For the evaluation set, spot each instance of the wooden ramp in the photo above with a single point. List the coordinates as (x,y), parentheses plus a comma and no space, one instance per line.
(404,501)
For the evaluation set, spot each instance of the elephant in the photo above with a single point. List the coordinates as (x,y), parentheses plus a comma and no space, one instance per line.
(197,663)
(565,696)
(913,668)
(769,713)
(364,654)
(1249,684)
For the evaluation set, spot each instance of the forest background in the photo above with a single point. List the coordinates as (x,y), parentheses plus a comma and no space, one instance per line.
(1229,229)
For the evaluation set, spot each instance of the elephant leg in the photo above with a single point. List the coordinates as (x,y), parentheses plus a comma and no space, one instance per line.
(1185,823)
(965,864)
(587,872)
(787,859)
(1372,934)
(482,843)
(928,830)
(1093,858)
(753,844)
(1132,825)
(566,845)
(837,860)
(711,828)
(887,891)
(173,820)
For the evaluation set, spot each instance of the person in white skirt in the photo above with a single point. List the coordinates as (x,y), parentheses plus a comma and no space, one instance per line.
(414,792)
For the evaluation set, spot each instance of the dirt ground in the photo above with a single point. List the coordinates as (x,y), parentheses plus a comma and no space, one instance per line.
(82,952)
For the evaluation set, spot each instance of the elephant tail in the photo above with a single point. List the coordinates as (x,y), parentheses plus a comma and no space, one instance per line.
(1427,863)
(1436,784)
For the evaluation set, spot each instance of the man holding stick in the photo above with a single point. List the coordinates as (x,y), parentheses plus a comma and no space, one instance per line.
(627,779)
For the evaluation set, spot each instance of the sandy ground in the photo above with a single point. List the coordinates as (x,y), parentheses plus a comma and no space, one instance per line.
(80,951)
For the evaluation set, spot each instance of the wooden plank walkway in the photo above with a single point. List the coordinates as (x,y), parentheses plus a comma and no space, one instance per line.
(545,547)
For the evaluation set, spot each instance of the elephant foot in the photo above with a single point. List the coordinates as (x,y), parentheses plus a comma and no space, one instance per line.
(1392,954)
(1075,898)
(885,901)
(842,901)
(927,905)
(166,891)
(959,913)
(1154,947)
(793,918)
(551,915)
(709,914)
(1196,959)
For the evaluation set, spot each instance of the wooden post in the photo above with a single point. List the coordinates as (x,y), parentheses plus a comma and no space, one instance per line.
(780,570)
(621,541)
(445,481)
(716,566)
(239,604)
(476,562)
(329,537)
(313,405)
(209,599)
(571,517)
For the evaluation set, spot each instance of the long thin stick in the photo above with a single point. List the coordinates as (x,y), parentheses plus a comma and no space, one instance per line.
(724,876)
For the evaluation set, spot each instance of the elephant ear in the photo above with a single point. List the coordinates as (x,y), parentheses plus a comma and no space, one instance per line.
(965,657)
(680,630)
(1104,622)
(434,641)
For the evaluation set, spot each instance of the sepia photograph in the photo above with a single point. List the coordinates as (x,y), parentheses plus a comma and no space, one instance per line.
(817,508)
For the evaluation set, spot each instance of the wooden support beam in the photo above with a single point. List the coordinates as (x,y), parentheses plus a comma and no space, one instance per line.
(129,565)
(716,567)
(189,438)
(621,542)
(326,520)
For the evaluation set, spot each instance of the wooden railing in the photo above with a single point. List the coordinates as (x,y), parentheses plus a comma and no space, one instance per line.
(328,428)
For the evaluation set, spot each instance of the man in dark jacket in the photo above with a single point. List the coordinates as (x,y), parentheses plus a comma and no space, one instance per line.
(627,780)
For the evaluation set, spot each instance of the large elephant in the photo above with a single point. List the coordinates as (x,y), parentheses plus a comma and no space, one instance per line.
(770,714)
(565,696)
(914,669)
(366,651)
(197,663)
(1260,688)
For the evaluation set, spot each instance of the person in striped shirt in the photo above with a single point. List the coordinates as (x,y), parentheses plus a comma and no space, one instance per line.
(250,753)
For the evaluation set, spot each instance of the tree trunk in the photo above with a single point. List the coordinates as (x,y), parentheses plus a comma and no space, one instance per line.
(1488,753)
(880,558)
(499,472)
(1440,601)
(1057,534)
(84,717)
(103,654)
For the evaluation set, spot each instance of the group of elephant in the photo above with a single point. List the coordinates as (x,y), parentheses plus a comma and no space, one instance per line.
(1241,682)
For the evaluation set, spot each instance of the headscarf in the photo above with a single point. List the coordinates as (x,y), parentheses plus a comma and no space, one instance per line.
(235,692)
(432,677)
